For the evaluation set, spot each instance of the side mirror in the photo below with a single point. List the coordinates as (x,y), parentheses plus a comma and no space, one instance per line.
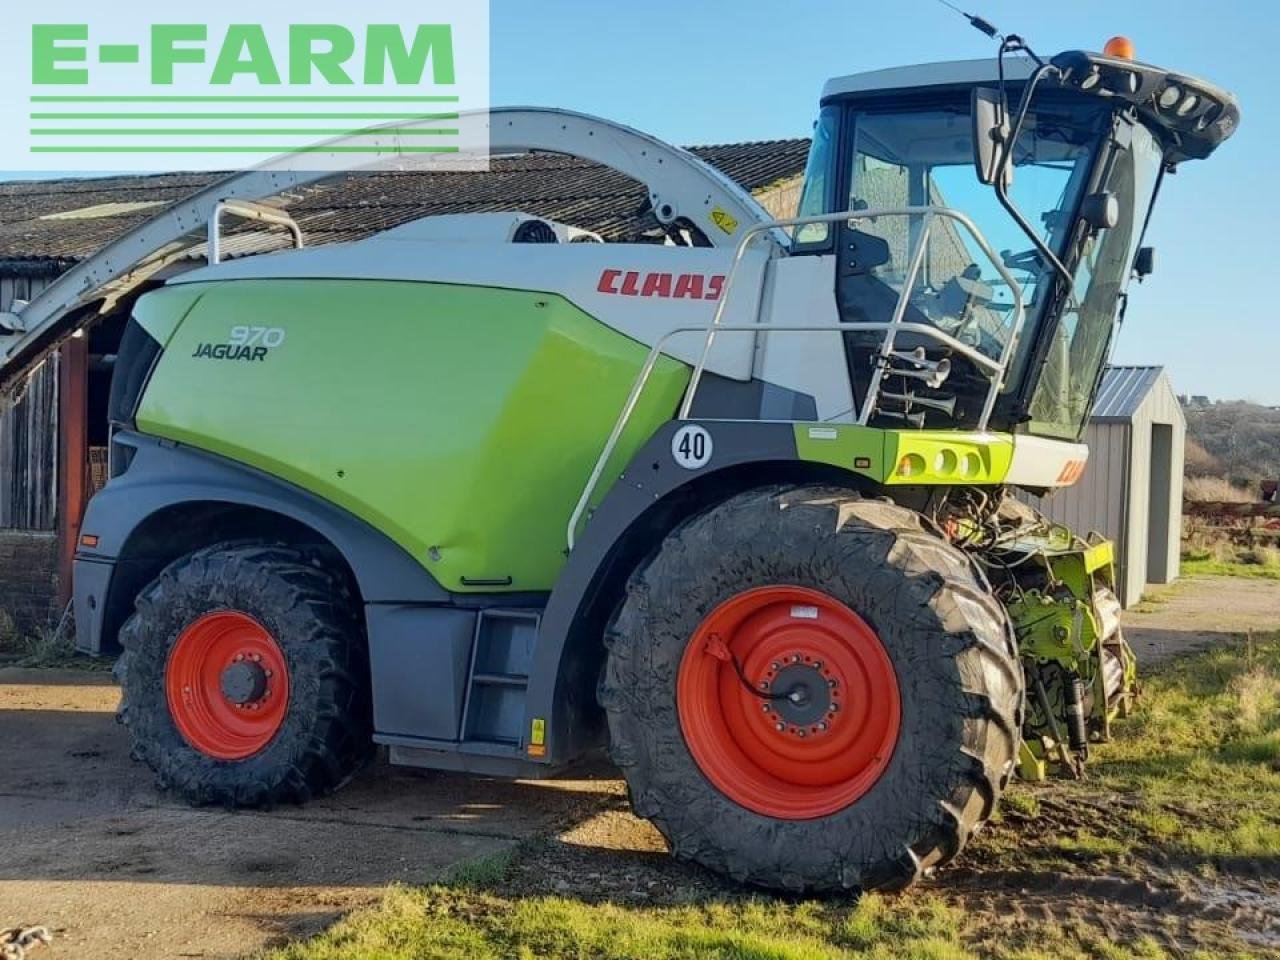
(1144,264)
(990,134)
(1100,210)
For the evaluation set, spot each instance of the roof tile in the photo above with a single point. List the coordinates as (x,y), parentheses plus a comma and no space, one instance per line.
(359,204)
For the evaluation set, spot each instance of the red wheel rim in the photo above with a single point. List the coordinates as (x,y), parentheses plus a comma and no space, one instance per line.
(790,759)
(227,684)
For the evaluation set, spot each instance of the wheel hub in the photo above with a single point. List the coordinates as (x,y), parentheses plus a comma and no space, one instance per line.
(244,682)
(788,702)
(805,697)
(227,685)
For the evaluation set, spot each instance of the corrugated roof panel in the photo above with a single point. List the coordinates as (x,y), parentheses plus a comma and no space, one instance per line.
(1123,390)
(359,204)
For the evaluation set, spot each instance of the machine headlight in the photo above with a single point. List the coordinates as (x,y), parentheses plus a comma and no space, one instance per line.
(1169,96)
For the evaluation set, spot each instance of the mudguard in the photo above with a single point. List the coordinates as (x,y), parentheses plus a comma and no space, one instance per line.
(562,682)
(164,474)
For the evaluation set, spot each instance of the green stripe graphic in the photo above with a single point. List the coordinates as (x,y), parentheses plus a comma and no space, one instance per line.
(244,116)
(244,99)
(240,149)
(247,132)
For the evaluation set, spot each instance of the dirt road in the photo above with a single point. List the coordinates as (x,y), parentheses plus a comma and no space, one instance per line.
(1196,614)
(88,847)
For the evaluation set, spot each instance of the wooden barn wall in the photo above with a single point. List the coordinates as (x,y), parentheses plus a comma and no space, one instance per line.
(29,436)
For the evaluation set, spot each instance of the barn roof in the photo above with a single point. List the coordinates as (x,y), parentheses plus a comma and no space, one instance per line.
(45,226)
(1124,390)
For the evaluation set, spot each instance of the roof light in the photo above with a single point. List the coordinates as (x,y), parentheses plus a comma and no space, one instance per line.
(1121,48)
(1189,103)
(1169,96)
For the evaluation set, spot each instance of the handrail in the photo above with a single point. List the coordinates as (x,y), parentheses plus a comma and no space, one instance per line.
(655,352)
(996,367)
(247,210)
(917,260)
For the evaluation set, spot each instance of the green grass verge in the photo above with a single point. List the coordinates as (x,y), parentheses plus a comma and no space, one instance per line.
(1191,783)
(1210,567)
(445,923)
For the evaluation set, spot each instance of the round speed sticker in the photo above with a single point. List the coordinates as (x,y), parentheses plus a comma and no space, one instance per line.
(691,447)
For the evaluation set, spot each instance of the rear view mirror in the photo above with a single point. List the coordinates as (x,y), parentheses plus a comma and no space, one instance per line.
(990,134)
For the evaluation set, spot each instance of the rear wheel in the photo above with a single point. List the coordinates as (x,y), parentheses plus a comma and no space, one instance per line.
(245,679)
(808,690)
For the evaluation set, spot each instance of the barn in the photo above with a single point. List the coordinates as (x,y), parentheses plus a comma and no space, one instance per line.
(1131,491)
(53,442)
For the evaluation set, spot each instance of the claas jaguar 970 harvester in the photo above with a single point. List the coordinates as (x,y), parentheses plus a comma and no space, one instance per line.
(739,505)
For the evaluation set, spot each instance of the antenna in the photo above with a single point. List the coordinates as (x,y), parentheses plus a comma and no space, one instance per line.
(978,23)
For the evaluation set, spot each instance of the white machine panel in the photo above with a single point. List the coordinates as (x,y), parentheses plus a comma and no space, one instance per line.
(641,290)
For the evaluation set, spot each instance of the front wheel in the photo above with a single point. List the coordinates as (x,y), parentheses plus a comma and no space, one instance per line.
(809,691)
(245,677)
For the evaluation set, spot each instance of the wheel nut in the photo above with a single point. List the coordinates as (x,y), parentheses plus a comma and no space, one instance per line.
(765,707)
(775,666)
(822,725)
(799,733)
(270,674)
(780,727)
(835,707)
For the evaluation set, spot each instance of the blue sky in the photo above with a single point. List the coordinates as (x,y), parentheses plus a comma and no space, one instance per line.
(707,71)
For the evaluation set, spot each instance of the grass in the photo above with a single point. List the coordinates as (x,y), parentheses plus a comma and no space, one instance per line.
(1193,781)
(1218,557)
(1194,566)
(1203,754)
(1216,490)
(46,648)
(447,923)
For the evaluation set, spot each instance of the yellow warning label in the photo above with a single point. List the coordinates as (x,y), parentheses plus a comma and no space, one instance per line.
(538,735)
(724,221)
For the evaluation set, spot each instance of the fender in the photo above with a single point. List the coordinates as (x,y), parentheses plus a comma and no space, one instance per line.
(163,474)
(562,681)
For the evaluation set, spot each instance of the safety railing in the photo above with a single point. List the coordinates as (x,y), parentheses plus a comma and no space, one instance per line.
(247,210)
(995,367)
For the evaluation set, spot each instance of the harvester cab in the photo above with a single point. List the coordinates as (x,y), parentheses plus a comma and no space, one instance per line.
(738,504)
(1056,164)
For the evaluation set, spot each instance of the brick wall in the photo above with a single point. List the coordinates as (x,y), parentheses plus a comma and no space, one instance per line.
(28,578)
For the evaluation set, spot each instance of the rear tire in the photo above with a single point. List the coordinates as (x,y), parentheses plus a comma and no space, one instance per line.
(948,710)
(219,737)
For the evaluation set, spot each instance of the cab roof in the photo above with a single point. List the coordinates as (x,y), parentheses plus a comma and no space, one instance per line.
(1192,116)
(948,73)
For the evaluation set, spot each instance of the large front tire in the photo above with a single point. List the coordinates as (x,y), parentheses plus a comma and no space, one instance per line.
(727,661)
(245,677)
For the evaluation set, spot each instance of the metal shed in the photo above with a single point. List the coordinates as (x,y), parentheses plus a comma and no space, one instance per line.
(1131,491)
